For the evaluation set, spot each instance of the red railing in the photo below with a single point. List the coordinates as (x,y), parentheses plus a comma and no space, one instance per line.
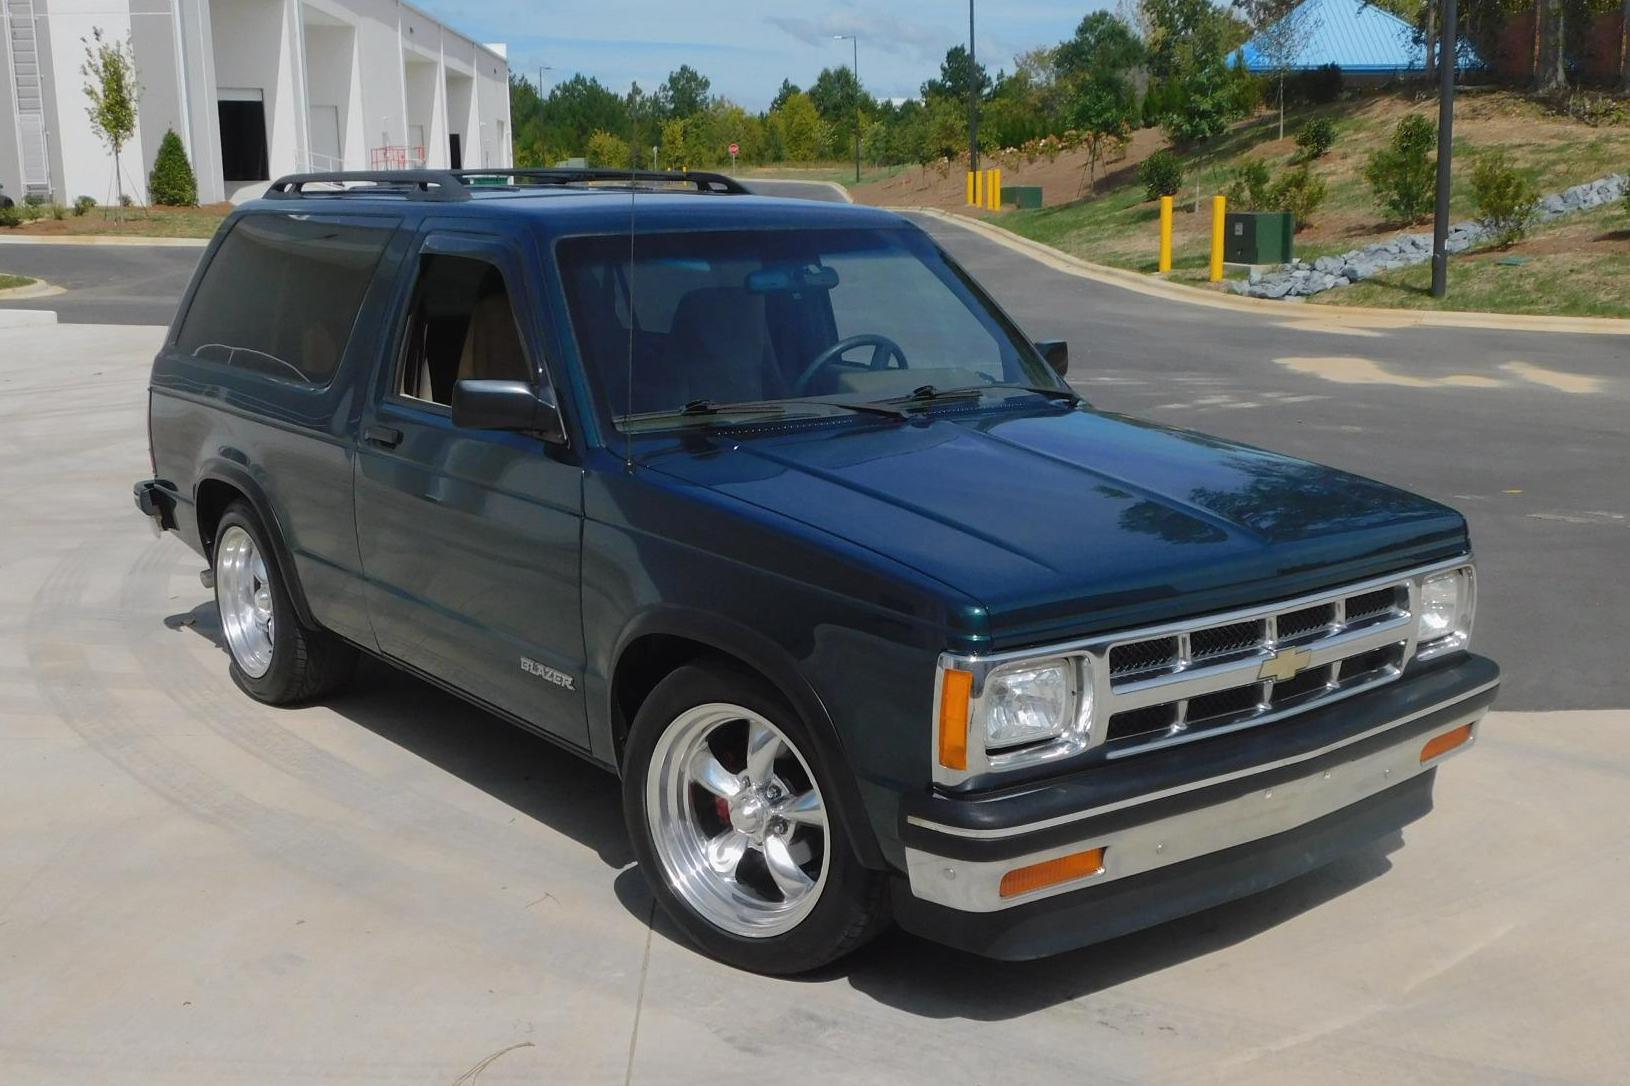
(396,158)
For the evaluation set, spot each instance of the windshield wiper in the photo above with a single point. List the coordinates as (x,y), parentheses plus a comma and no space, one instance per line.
(712,413)
(925,394)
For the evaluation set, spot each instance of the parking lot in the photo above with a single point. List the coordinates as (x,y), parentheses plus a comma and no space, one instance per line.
(396,887)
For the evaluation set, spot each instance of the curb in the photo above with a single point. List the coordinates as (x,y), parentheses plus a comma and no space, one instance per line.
(1345,316)
(39,288)
(26,318)
(104,239)
(833,185)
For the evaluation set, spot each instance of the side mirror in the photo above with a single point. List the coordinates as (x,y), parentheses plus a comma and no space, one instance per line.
(507,405)
(1056,353)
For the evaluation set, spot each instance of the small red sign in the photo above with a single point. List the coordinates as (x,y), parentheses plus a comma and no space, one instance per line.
(735,149)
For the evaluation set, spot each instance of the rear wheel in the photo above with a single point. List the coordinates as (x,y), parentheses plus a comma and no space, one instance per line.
(275,659)
(733,822)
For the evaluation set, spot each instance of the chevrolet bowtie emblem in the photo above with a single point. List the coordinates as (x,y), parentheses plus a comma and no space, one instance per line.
(1284,664)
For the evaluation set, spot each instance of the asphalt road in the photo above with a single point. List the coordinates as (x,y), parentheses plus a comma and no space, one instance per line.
(105,284)
(1528,434)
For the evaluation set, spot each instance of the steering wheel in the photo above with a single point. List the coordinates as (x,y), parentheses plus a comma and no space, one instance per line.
(883,349)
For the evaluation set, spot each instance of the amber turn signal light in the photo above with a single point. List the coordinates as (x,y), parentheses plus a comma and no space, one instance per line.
(956,693)
(1446,742)
(1077,865)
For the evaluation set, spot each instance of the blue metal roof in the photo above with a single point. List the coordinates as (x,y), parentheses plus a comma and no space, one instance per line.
(1357,36)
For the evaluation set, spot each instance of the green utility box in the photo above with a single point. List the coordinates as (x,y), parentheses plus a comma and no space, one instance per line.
(1022,196)
(1258,237)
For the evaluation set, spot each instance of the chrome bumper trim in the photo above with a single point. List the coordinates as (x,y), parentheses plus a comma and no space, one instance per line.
(1092,812)
(974,885)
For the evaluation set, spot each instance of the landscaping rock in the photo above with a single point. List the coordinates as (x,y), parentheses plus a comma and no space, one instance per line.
(1300,279)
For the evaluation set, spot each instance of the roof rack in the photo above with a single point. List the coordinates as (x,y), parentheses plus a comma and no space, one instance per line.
(442,185)
(716,183)
(455,185)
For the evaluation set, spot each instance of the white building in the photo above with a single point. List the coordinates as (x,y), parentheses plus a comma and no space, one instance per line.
(254,88)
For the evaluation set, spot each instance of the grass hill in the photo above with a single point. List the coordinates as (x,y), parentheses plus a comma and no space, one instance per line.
(1580,264)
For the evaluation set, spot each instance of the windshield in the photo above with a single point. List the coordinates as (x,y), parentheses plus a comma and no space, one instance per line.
(793,322)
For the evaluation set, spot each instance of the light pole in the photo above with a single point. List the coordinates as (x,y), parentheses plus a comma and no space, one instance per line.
(541,69)
(854,39)
(973,98)
(1448,61)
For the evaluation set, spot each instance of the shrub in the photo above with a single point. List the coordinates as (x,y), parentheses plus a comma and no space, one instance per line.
(58,212)
(34,199)
(11,217)
(172,184)
(1300,192)
(1248,186)
(1161,175)
(1507,200)
(84,205)
(30,211)
(1402,174)
(1316,137)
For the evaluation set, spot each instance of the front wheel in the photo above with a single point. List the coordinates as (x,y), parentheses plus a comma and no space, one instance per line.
(733,823)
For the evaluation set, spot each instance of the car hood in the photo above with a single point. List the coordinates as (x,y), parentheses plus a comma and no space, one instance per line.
(1065,522)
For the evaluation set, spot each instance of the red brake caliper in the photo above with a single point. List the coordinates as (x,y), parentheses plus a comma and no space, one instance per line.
(721,807)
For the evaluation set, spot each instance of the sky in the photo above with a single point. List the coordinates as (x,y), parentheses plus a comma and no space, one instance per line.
(746,49)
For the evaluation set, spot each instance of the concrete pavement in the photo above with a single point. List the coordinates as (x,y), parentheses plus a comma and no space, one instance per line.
(396,887)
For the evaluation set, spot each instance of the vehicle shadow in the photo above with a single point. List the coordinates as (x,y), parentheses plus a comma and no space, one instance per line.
(524,771)
(558,789)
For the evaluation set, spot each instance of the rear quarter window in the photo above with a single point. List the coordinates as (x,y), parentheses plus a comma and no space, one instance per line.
(281,295)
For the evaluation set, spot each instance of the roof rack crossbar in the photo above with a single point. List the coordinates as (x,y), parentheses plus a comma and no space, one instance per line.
(716,183)
(436,185)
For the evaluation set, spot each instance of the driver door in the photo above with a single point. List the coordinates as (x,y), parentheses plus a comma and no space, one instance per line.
(470,539)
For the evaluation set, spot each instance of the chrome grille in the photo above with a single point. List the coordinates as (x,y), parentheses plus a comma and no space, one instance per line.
(1203,676)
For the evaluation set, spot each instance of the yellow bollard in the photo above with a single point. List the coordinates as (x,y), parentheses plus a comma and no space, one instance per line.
(996,189)
(970,188)
(979,188)
(1219,213)
(1165,234)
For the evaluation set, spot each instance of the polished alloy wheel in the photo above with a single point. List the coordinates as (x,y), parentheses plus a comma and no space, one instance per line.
(737,820)
(244,594)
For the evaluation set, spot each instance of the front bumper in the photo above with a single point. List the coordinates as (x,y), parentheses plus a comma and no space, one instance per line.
(1186,830)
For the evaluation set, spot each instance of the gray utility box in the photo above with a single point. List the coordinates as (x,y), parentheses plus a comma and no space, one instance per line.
(1258,237)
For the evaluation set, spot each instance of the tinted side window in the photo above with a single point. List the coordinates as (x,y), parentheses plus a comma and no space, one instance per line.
(282,295)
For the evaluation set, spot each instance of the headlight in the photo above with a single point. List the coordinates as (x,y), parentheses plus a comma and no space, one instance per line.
(1003,715)
(1446,605)
(1027,704)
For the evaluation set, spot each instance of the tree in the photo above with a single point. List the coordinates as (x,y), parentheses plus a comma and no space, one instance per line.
(802,133)
(788,89)
(1102,42)
(1282,42)
(841,102)
(110,86)
(684,93)
(1095,66)
(1550,18)
(172,183)
(1194,97)
(958,78)
(1102,116)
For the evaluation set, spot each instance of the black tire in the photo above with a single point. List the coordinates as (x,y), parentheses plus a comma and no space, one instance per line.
(851,908)
(306,663)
